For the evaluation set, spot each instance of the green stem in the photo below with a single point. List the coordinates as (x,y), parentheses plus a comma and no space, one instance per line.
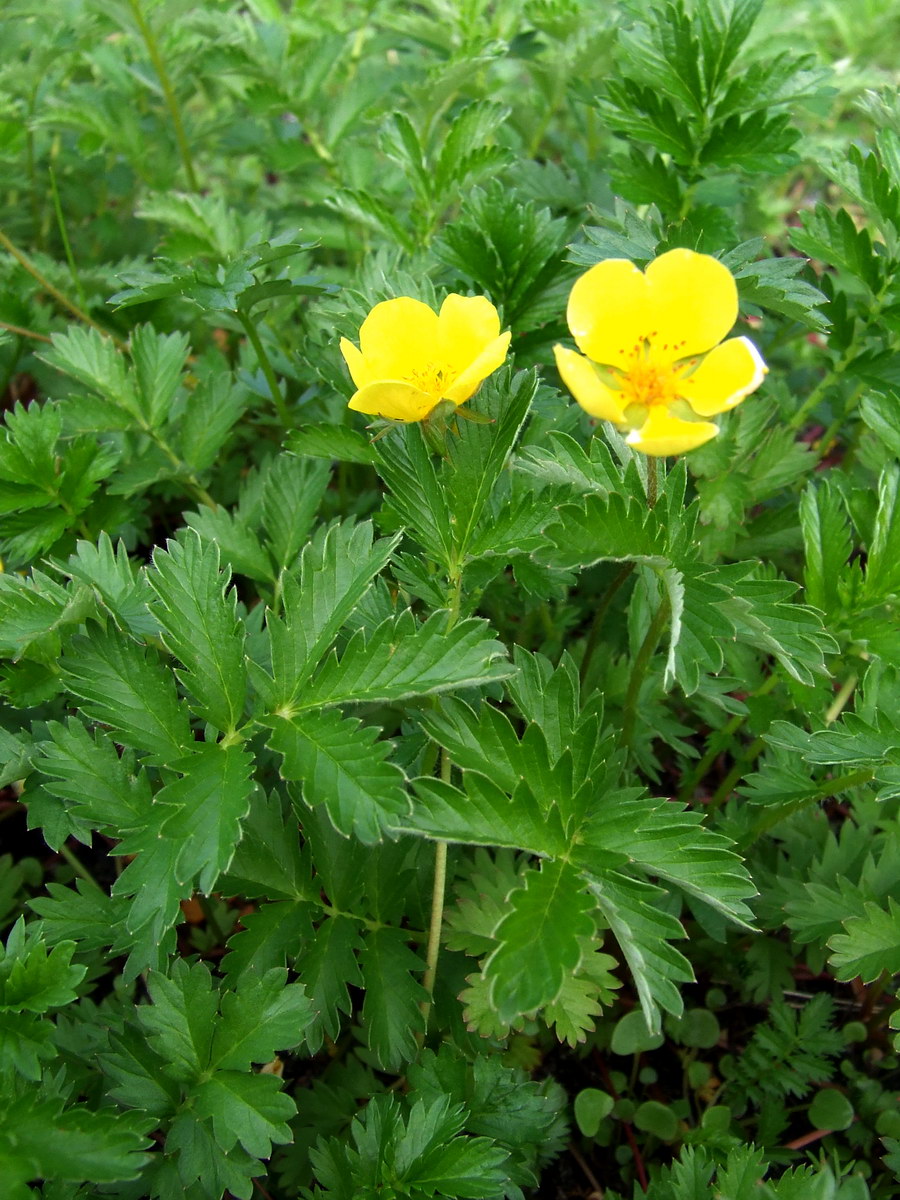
(24,261)
(433,948)
(168,92)
(725,788)
(652,481)
(20,331)
(600,616)
(439,889)
(831,788)
(718,743)
(639,670)
(63,233)
(271,378)
(187,475)
(78,867)
(840,701)
(31,167)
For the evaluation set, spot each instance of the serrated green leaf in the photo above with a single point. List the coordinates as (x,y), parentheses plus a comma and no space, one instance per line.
(644,931)
(539,940)
(342,765)
(391,1013)
(417,495)
(201,628)
(336,570)
(202,810)
(93,1146)
(264,1015)
(266,939)
(180,1023)
(335,442)
(159,360)
(250,1109)
(86,772)
(124,593)
(401,659)
(124,686)
(869,945)
(328,966)
(31,980)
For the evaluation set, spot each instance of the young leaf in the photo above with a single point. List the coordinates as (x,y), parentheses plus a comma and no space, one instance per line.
(417,495)
(336,570)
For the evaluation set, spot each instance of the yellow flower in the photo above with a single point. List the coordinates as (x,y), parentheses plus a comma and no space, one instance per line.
(411,358)
(658,333)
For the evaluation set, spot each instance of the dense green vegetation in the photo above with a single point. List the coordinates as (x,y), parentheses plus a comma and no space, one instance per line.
(468,808)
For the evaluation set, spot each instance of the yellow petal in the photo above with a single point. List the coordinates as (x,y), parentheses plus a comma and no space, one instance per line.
(592,394)
(359,372)
(663,434)
(608,311)
(693,302)
(398,337)
(729,372)
(491,357)
(393,399)
(467,325)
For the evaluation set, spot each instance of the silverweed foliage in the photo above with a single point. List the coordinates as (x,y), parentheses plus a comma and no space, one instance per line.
(475,807)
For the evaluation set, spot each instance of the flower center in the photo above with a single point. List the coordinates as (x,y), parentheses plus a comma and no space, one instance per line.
(648,383)
(433,379)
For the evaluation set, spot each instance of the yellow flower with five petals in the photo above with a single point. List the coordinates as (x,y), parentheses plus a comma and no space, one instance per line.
(657,337)
(411,359)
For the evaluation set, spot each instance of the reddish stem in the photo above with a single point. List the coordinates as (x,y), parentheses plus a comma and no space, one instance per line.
(626,1125)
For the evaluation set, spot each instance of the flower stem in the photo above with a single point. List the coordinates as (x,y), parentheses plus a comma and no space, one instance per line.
(714,748)
(840,701)
(63,233)
(433,948)
(652,481)
(600,617)
(267,369)
(639,671)
(77,866)
(19,331)
(725,788)
(24,261)
(831,788)
(165,82)
(438,891)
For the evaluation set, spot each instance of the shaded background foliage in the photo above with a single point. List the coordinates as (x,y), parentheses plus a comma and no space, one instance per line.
(216,881)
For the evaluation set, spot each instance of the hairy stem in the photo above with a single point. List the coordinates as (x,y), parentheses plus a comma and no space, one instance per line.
(63,233)
(19,331)
(171,99)
(267,369)
(639,670)
(714,749)
(652,481)
(600,616)
(24,261)
(77,866)
(842,784)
